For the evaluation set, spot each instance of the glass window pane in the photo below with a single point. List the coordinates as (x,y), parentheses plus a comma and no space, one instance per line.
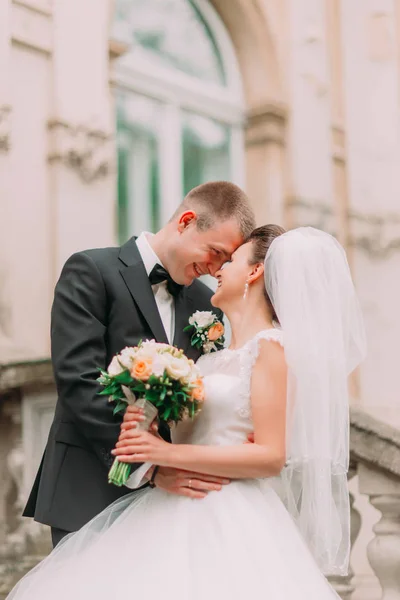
(138,119)
(174,33)
(123,198)
(205,151)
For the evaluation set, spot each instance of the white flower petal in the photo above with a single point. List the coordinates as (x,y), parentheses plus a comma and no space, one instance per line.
(115,368)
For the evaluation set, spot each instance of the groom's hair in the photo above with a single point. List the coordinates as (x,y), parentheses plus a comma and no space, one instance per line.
(219,201)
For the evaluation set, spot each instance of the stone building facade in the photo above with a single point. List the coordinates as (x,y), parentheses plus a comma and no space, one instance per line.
(110,110)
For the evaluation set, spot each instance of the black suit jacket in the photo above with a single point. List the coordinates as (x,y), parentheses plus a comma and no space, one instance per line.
(103,302)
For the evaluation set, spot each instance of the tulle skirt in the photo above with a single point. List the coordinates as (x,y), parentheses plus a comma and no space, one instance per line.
(234,544)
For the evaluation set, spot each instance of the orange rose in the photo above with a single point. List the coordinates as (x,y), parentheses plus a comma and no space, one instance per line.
(142,368)
(215,332)
(198,391)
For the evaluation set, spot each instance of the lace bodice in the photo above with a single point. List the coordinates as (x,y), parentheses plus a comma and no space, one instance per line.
(226,416)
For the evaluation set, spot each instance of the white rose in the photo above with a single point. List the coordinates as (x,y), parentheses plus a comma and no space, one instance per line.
(194,374)
(202,318)
(159,365)
(115,368)
(150,349)
(177,368)
(126,357)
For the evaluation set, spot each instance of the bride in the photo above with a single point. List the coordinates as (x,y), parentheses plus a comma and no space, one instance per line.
(283,520)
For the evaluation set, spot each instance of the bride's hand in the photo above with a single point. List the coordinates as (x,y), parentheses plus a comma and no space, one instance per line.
(134,415)
(136,446)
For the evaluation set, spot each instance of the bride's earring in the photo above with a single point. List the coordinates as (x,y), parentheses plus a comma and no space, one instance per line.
(246,289)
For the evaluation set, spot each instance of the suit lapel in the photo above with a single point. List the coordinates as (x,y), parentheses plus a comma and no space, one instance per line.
(137,281)
(184,308)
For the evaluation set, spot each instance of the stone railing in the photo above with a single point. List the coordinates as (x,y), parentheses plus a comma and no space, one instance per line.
(375,459)
(20,374)
(22,542)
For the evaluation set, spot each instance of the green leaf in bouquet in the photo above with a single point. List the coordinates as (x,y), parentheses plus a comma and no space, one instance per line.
(163,393)
(104,373)
(138,383)
(167,413)
(188,328)
(180,394)
(176,413)
(114,387)
(123,378)
(152,395)
(120,406)
(105,392)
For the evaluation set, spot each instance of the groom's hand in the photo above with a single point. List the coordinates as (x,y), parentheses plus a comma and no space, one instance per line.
(188,483)
(174,481)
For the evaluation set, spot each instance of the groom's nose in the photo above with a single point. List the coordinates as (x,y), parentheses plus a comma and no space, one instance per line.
(214,266)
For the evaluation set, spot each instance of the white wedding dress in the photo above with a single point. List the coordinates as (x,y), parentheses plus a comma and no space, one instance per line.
(234,544)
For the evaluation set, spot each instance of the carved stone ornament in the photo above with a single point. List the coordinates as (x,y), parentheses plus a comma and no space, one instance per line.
(377,235)
(5,127)
(89,152)
(266,124)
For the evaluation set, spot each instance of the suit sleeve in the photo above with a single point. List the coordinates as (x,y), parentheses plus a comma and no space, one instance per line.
(78,348)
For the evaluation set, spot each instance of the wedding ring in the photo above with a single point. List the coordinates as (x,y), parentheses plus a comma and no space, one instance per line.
(190,484)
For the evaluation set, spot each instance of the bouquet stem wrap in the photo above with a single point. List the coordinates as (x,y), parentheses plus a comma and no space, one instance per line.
(120,472)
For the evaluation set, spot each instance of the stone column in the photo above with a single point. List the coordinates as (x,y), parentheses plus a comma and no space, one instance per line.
(371,84)
(265,154)
(14,466)
(5,180)
(339,158)
(12,534)
(81,130)
(384,550)
(310,136)
(343,585)
(5,95)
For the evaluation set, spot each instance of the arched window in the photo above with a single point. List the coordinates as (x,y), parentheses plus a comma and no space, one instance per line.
(179,107)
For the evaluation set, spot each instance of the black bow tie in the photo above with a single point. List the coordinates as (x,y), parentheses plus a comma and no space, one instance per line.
(159,274)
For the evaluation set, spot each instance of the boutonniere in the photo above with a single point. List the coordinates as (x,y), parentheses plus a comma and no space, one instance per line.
(208,331)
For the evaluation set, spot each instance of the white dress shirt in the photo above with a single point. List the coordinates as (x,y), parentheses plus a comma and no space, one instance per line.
(164,300)
(166,305)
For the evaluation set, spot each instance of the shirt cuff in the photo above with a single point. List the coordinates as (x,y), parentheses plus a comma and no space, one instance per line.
(137,478)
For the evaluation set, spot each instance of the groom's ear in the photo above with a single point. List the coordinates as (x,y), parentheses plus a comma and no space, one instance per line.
(256,272)
(186,218)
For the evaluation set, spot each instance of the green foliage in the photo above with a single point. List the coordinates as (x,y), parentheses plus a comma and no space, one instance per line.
(172,399)
(197,342)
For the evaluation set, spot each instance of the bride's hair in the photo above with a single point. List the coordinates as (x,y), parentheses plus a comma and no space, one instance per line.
(261,239)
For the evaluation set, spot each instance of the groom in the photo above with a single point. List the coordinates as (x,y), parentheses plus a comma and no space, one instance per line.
(110,298)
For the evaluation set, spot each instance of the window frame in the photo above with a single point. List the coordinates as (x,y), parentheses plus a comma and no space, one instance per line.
(176,91)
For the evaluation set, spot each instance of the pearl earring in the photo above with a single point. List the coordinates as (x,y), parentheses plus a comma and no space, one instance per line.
(246,289)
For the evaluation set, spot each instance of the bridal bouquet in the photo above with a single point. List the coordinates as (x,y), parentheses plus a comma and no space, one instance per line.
(156,377)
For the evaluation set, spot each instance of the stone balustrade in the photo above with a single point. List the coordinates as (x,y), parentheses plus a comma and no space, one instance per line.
(27,394)
(375,459)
